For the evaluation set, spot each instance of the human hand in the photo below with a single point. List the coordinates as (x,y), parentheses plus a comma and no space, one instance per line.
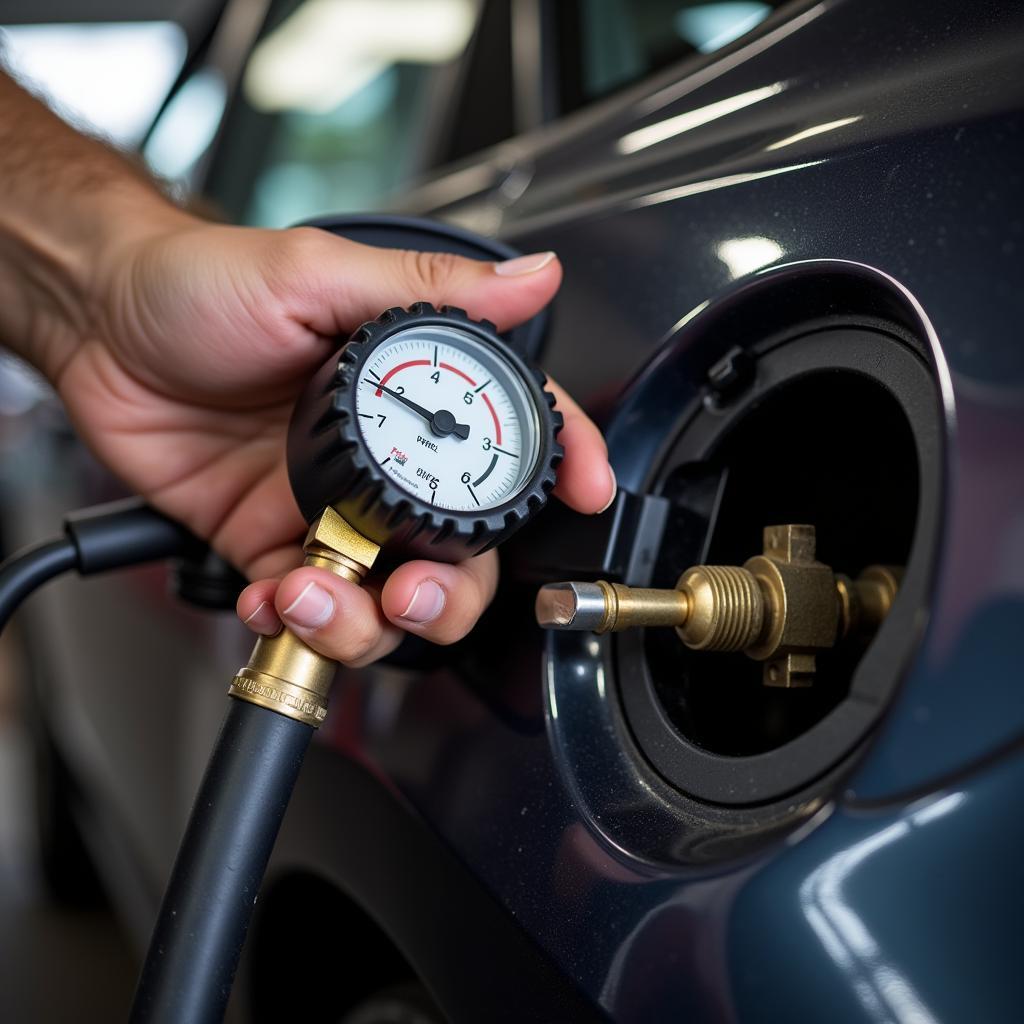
(184,380)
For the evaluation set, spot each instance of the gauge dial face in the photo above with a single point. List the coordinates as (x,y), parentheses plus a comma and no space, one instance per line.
(447,418)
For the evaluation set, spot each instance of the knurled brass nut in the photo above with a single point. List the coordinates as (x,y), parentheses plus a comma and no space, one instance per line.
(726,608)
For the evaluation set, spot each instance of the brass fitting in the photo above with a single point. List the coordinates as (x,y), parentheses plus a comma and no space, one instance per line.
(865,601)
(284,674)
(780,607)
(726,608)
(608,607)
(804,608)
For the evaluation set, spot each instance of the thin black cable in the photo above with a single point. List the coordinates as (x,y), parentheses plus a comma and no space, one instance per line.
(209,901)
(30,568)
(111,536)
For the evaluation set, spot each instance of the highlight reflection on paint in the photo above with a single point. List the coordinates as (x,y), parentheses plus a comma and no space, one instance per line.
(711,184)
(652,134)
(818,129)
(745,255)
(883,992)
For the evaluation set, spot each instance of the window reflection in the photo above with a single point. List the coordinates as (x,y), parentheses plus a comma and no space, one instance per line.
(605,45)
(709,27)
(328,51)
(187,126)
(342,94)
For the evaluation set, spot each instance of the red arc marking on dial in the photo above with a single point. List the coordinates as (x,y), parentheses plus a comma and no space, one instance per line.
(401,366)
(454,369)
(464,376)
(494,415)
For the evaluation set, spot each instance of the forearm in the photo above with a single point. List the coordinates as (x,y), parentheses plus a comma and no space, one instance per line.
(66,203)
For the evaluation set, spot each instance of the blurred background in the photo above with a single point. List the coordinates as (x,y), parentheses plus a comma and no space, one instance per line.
(335,105)
(266,113)
(333,99)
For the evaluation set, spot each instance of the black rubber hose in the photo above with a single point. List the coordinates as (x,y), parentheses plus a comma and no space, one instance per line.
(30,568)
(202,923)
(124,533)
(98,539)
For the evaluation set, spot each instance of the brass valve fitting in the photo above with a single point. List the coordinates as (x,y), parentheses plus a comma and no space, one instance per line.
(780,607)
(284,674)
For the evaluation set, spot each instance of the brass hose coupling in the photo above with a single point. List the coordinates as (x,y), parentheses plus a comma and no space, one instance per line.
(780,607)
(284,674)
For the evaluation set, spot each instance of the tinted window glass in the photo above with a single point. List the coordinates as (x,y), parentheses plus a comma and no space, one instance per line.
(342,159)
(605,45)
(337,106)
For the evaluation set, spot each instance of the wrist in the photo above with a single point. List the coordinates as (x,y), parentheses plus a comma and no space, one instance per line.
(68,206)
(126,218)
(61,274)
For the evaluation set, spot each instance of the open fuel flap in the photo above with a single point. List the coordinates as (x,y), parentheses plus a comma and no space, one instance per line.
(753,605)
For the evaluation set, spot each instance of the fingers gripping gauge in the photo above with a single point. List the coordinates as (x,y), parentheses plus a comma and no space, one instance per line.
(427,434)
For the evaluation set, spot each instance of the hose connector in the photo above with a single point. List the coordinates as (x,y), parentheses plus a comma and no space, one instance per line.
(284,674)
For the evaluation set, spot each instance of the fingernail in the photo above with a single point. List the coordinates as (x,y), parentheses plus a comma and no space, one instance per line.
(264,620)
(524,264)
(615,490)
(311,609)
(427,602)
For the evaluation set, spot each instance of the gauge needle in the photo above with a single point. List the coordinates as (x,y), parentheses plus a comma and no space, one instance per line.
(442,423)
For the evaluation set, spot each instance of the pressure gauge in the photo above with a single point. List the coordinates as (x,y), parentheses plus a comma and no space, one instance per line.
(428,434)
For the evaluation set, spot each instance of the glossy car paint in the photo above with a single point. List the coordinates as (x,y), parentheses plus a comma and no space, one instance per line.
(889,140)
(490,813)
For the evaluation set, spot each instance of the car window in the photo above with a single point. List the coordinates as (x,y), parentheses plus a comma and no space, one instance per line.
(483,111)
(80,69)
(336,106)
(605,45)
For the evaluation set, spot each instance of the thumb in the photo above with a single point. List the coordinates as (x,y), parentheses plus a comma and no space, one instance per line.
(353,283)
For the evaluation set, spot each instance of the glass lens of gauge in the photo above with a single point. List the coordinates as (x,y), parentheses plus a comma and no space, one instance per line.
(447,418)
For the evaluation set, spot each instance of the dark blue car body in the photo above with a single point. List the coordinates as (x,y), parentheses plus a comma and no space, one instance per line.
(491,813)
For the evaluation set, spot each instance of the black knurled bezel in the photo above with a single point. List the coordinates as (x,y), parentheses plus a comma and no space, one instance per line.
(329,463)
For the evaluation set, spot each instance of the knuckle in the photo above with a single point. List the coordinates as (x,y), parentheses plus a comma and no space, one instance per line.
(388,642)
(431,271)
(289,251)
(295,250)
(302,241)
(288,258)
(355,639)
